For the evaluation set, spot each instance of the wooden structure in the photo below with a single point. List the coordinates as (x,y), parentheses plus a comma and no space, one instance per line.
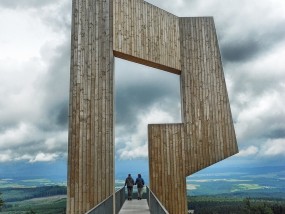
(90,139)
(140,32)
(206,135)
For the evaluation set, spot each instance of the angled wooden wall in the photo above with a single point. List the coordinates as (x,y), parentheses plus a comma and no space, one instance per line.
(209,130)
(207,134)
(138,31)
(90,147)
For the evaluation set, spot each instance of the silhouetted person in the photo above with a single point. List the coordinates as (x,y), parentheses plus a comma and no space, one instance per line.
(130,183)
(140,184)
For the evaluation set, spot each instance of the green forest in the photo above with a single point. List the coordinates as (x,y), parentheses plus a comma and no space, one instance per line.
(236,205)
(1,201)
(52,200)
(41,200)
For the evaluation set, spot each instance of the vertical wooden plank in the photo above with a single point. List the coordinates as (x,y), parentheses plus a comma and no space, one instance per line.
(91,140)
(92,11)
(78,193)
(207,92)
(165,161)
(143,27)
(90,150)
(72,119)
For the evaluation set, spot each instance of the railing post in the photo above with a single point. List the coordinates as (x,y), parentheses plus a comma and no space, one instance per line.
(120,198)
(147,194)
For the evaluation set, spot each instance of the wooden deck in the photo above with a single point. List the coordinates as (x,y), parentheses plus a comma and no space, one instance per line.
(135,206)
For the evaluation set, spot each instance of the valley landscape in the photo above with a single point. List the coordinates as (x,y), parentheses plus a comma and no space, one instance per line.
(212,190)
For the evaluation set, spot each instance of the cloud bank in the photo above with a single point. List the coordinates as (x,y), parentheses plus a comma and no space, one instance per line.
(34,65)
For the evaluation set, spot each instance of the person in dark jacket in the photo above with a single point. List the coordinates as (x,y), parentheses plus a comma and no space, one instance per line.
(140,183)
(129,183)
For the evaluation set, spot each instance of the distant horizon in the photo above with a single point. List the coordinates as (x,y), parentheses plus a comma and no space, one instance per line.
(35,75)
(122,167)
(214,180)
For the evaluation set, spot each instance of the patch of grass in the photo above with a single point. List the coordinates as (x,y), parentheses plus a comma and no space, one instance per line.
(20,194)
(231,204)
(246,187)
(47,205)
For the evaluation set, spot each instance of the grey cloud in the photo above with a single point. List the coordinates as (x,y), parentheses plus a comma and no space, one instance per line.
(139,87)
(55,84)
(263,117)
(245,29)
(252,44)
(240,50)
(60,22)
(62,115)
(243,41)
(276,132)
(247,84)
(48,125)
(130,100)
(34,147)
(25,3)
(259,132)
(274,127)
(28,146)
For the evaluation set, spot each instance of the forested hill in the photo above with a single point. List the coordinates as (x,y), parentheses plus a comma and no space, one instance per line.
(221,204)
(19,194)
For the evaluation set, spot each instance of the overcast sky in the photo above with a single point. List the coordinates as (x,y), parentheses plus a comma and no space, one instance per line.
(34,81)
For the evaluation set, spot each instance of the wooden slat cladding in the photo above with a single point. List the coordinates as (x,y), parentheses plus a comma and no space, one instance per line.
(146,34)
(140,32)
(167,176)
(207,134)
(206,111)
(90,146)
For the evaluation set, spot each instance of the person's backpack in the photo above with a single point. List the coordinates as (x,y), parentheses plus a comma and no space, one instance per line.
(139,183)
(130,182)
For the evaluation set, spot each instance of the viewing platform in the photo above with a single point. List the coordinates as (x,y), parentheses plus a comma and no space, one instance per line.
(148,204)
(135,206)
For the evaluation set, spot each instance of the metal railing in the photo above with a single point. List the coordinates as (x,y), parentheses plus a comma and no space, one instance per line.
(106,206)
(154,204)
(120,198)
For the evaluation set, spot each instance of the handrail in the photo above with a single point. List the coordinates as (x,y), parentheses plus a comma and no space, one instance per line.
(155,205)
(106,206)
(120,198)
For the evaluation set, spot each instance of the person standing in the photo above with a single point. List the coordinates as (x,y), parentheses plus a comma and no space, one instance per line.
(140,183)
(129,183)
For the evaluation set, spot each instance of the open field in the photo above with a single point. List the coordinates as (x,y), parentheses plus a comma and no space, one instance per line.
(206,190)
(45,205)
(221,204)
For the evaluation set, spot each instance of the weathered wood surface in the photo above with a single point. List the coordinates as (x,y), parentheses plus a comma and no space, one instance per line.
(167,166)
(140,32)
(90,159)
(206,110)
(146,34)
(207,134)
